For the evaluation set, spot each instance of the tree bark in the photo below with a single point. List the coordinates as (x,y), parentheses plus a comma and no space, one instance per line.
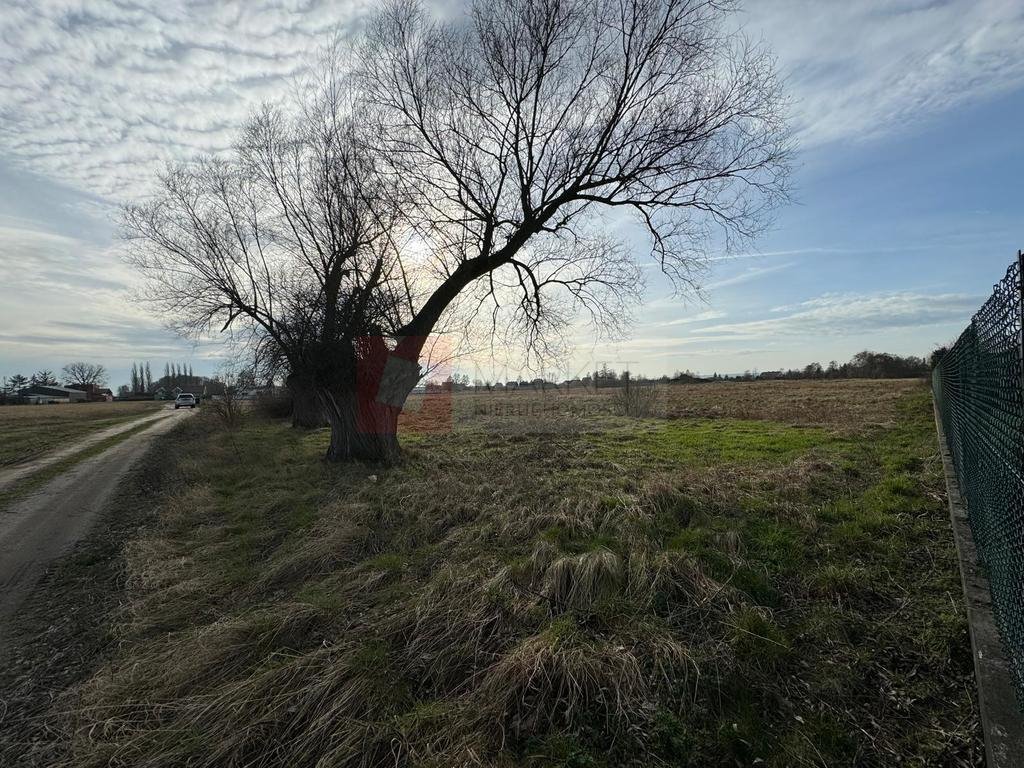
(307,408)
(361,430)
(363,408)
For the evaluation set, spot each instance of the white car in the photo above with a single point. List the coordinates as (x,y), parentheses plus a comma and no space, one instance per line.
(185,400)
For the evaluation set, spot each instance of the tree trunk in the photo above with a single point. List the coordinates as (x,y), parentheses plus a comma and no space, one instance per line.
(364,411)
(367,432)
(307,409)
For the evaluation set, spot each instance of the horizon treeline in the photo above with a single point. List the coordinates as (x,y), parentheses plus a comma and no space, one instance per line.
(174,374)
(863,365)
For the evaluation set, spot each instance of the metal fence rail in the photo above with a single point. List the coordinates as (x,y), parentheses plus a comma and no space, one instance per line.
(979,390)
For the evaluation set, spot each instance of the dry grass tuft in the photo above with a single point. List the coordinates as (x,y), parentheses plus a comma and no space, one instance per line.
(330,546)
(559,680)
(579,582)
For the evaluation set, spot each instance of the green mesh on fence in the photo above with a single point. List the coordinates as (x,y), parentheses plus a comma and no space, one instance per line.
(979,391)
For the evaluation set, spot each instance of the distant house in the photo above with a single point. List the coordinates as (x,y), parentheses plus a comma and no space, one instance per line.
(45,393)
(211,388)
(201,387)
(94,393)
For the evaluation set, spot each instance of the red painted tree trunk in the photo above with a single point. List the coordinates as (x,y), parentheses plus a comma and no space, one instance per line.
(364,415)
(358,432)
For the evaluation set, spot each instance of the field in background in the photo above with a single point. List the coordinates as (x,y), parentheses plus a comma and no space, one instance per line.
(27,431)
(846,404)
(763,575)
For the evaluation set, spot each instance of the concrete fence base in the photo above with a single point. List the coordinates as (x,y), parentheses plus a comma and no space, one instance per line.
(1001,718)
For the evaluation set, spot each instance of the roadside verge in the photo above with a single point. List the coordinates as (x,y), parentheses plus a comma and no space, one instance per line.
(62,633)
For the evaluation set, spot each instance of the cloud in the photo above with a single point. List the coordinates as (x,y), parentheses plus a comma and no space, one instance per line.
(64,298)
(833,314)
(751,273)
(43,262)
(859,70)
(100,94)
(700,317)
(826,326)
(825,251)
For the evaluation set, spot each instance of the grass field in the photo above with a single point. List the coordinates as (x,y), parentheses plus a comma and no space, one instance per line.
(763,575)
(33,430)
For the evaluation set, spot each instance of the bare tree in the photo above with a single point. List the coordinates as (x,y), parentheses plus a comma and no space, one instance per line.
(81,374)
(477,181)
(289,243)
(514,135)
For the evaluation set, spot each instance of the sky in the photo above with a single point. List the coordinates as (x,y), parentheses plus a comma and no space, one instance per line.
(907,116)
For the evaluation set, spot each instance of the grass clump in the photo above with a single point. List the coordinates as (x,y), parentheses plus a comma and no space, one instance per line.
(756,638)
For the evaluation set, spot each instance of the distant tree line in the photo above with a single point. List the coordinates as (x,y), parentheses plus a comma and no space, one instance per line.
(863,365)
(175,375)
(92,376)
(77,375)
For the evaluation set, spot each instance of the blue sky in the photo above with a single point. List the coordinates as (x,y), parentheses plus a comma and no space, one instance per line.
(906,195)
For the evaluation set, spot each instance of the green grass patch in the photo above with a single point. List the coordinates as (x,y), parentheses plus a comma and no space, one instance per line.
(711,442)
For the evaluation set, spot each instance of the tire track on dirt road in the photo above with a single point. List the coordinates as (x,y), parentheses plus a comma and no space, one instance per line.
(11,475)
(38,529)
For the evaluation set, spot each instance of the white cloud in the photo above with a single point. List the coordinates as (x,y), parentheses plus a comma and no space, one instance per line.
(830,325)
(824,251)
(99,94)
(751,273)
(863,68)
(833,314)
(701,317)
(64,298)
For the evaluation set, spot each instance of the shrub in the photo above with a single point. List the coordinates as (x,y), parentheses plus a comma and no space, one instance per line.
(637,400)
(273,404)
(228,408)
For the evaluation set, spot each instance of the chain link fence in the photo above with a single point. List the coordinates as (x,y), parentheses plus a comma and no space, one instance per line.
(979,390)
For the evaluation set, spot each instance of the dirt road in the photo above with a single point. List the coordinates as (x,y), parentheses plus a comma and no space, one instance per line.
(10,475)
(41,527)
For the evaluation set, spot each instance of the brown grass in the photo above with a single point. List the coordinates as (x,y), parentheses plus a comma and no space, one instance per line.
(33,430)
(550,597)
(855,405)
